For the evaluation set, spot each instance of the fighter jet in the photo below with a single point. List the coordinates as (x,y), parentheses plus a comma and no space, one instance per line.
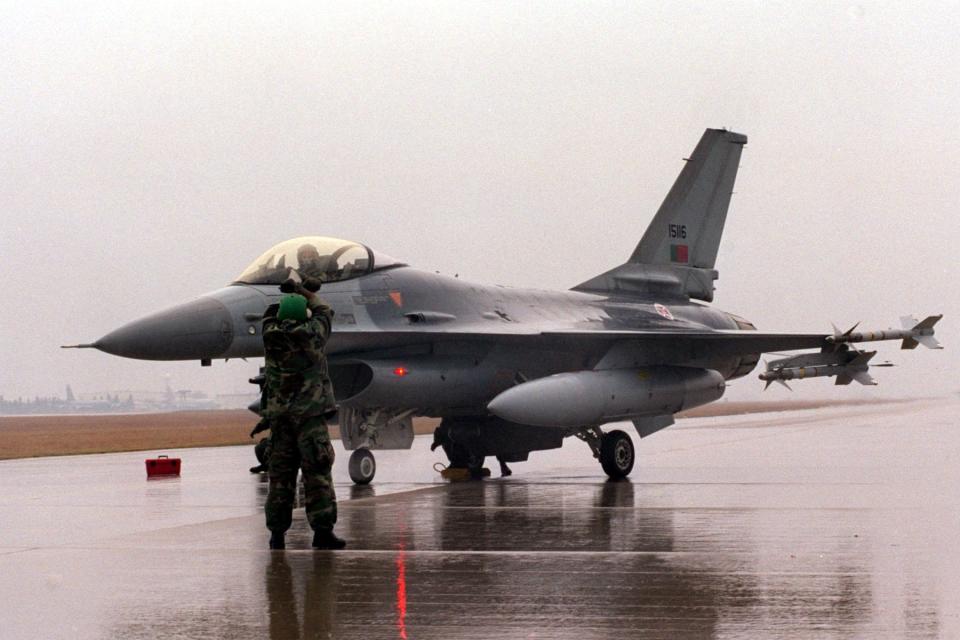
(508,370)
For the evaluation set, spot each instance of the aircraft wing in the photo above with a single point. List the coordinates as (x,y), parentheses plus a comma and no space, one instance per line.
(717,342)
(711,342)
(691,342)
(625,348)
(726,342)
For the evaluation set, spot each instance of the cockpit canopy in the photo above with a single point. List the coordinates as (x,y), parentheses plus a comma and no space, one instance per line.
(329,259)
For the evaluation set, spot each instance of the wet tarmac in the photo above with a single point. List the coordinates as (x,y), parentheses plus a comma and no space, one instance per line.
(833,523)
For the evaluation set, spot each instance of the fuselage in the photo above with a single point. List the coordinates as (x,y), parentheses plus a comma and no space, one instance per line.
(407,339)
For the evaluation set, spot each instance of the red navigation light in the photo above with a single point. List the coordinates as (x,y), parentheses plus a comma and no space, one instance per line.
(401,371)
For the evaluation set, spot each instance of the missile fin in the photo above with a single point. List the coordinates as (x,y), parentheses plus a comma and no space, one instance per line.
(911,322)
(928,322)
(929,342)
(908,322)
(779,380)
(861,359)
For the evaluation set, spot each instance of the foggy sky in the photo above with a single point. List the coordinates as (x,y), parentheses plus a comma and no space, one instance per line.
(149,152)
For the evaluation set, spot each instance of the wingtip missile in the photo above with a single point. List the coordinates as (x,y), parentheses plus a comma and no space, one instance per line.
(912,334)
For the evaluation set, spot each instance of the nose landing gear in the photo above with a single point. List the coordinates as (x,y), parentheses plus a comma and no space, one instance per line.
(363,430)
(614,450)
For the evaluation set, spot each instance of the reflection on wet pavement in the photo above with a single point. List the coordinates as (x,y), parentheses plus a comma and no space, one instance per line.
(787,536)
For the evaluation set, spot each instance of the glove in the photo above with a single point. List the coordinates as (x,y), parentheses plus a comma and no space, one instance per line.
(305,288)
(312,284)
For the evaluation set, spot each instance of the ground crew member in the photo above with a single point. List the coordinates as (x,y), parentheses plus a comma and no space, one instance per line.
(297,401)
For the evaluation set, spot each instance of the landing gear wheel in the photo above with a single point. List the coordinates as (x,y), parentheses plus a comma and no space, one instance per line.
(616,454)
(362,466)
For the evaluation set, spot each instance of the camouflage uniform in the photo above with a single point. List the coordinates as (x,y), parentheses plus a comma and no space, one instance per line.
(262,450)
(297,395)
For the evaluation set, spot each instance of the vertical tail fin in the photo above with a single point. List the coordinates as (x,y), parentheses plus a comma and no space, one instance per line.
(678,252)
(687,228)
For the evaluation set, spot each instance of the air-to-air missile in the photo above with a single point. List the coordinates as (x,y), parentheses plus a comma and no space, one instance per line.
(912,334)
(847,364)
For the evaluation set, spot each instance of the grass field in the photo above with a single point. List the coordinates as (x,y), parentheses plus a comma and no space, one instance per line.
(32,436)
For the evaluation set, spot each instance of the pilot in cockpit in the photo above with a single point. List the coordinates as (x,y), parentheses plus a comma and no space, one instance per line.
(310,264)
(326,259)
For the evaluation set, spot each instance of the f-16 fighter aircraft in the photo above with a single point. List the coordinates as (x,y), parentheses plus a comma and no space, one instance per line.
(510,371)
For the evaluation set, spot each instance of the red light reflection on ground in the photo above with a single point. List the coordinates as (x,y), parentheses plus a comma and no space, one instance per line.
(401,563)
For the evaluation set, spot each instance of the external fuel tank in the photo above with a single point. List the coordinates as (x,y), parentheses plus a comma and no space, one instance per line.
(590,398)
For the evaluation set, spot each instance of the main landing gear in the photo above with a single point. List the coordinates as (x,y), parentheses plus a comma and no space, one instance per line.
(362,466)
(614,450)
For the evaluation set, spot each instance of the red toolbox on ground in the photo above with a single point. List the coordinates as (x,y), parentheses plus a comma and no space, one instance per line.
(163,466)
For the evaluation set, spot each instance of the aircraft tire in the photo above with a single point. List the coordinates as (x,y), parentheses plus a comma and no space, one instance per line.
(617,454)
(362,466)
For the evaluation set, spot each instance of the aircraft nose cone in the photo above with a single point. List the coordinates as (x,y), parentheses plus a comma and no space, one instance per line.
(198,329)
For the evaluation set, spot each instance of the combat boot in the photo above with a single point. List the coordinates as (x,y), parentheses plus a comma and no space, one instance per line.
(326,539)
(276,541)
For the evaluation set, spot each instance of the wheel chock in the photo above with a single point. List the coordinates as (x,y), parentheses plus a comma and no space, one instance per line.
(456,474)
